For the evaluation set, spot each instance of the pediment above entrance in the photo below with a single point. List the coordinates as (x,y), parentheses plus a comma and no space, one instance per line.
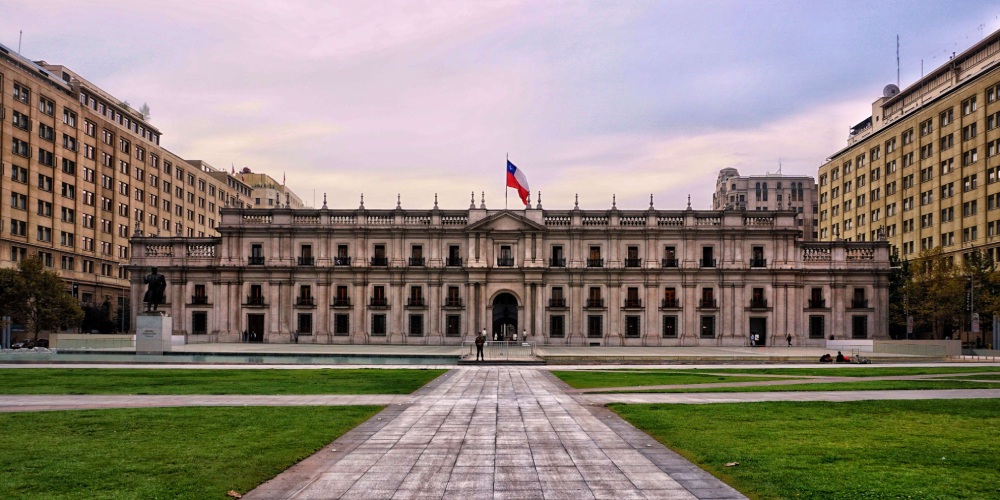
(506,221)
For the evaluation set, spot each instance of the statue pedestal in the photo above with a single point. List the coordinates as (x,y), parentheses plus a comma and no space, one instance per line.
(152,332)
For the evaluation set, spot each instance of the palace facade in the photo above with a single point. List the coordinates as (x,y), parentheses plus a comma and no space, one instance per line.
(570,277)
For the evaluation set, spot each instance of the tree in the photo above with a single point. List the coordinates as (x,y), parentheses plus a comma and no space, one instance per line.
(144,111)
(39,299)
(898,303)
(935,291)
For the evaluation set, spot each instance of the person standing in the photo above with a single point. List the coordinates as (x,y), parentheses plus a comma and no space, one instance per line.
(480,341)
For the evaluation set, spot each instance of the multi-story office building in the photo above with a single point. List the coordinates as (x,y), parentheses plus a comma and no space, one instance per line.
(769,192)
(82,171)
(267,192)
(923,168)
(605,277)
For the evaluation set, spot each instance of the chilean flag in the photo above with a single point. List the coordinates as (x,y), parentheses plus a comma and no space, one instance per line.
(517,180)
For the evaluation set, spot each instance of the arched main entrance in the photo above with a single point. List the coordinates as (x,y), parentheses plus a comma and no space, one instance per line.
(504,316)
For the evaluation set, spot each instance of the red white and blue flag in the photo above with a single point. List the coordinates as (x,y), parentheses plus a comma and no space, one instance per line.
(517,180)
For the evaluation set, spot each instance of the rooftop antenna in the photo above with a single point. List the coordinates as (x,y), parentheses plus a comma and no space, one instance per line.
(20,34)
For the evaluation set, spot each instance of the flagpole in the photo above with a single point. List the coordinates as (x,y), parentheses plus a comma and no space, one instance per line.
(505,183)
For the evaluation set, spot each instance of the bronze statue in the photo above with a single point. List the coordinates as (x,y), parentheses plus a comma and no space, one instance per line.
(154,292)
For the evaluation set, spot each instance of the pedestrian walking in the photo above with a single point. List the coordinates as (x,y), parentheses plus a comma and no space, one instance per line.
(480,341)
(789,339)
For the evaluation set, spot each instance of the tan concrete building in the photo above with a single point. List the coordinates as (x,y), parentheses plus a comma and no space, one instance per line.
(769,192)
(923,168)
(267,192)
(576,277)
(81,171)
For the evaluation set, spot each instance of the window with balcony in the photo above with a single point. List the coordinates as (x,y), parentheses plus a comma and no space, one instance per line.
(707,257)
(343,257)
(256,255)
(417,256)
(506,257)
(669,327)
(594,259)
(256,297)
(757,299)
(557,300)
(341,298)
(632,257)
(816,300)
(594,299)
(200,295)
(416,298)
(378,297)
(669,298)
(859,301)
(558,259)
(454,256)
(669,257)
(305,297)
(707,298)
(632,300)
(379,258)
(453,299)
(306,256)
(757,257)
(595,326)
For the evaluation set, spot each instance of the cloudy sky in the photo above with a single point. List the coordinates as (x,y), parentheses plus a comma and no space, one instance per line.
(626,98)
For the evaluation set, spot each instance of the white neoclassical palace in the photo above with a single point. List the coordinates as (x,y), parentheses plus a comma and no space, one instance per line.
(577,277)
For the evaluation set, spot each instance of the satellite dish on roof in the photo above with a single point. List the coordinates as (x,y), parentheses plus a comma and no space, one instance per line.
(890,90)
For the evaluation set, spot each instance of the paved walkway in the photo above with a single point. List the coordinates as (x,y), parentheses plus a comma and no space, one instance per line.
(497,433)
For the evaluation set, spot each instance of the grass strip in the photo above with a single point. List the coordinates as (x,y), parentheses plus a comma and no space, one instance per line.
(872,385)
(197,453)
(851,450)
(213,382)
(592,380)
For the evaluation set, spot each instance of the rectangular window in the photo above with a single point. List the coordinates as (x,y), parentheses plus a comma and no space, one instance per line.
(632,327)
(859,327)
(707,327)
(557,326)
(341,324)
(816,324)
(669,327)
(305,324)
(594,326)
(199,322)
(378,325)
(416,325)
(453,325)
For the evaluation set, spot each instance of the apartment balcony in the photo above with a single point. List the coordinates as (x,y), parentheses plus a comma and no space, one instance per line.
(633,262)
(342,260)
(199,300)
(453,303)
(758,304)
(758,262)
(557,303)
(416,262)
(416,303)
(595,262)
(453,262)
(255,260)
(670,263)
(305,301)
(378,303)
(505,261)
(380,261)
(670,304)
(307,261)
(816,304)
(343,302)
(557,262)
(707,262)
(595,303)
(632,304)
(255,301)
(708,304)
(859,304)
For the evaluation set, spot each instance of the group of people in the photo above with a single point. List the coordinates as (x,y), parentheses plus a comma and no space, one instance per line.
(826,358)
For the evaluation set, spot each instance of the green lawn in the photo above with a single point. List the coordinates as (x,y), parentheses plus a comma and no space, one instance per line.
(197,453)
(230,381)
(864,449)
(872,385)
(591,380)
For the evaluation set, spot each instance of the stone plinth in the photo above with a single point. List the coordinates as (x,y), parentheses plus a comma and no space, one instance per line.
(152,332)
